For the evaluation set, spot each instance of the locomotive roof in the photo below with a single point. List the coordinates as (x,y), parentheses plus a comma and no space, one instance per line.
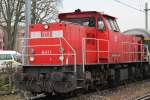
(72,14)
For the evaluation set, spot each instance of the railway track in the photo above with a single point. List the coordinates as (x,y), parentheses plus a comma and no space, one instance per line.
(49,98)
(123,92)
(106,94)
(145,97)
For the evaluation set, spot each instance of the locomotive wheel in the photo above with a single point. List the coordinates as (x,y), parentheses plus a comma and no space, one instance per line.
(64,87)
(138,72)
(146,71)
(114,77)
(67,84)
(117,77)
(132,73)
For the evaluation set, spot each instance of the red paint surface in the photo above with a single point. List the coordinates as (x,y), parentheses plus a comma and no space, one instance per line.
(115,50)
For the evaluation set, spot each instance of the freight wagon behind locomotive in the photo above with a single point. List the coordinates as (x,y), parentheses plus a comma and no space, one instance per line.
(83,51)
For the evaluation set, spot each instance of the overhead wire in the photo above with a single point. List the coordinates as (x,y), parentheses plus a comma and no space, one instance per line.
(129,6)
(140,4)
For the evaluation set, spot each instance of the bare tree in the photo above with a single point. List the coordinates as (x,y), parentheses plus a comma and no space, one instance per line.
(44,11)
(12,14)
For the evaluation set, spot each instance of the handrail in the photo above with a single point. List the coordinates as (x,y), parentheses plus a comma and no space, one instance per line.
(73,53)
(49,54)
(61,52)
(83,55)
(106,40)
(75,67)
(128,51)
(97,50)
(131,43)
(41,45)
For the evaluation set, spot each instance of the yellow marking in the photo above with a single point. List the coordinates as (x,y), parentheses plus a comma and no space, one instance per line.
(146,38)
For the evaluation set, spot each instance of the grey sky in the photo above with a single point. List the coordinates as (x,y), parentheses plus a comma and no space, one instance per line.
(127,18)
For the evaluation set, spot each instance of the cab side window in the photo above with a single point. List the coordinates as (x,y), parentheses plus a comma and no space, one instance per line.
(101,25)
(92,22)
(109,24)
(112,24)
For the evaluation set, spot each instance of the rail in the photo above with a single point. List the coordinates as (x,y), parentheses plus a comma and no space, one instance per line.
(24,55)
(135,45)
(138,46)
(145,97)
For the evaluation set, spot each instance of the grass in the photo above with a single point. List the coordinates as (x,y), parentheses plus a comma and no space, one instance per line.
(4,82)
(9,97)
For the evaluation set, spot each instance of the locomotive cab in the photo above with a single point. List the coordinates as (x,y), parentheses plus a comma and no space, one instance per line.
(91,19)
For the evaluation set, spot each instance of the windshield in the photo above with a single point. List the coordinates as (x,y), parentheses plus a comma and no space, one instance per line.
(88,21)
(112,24)
(15,57)
(5,57)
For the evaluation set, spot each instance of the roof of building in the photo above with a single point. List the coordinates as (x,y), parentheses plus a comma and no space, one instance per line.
(138,31)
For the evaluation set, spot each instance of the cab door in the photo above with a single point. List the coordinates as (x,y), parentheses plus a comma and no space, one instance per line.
(115,42)
(102,40)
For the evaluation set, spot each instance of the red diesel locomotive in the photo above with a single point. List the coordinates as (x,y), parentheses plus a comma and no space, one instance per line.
(84,50)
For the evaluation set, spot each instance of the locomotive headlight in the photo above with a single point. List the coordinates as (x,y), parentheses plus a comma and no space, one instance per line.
(46,26)
(61,58)
(31,58)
